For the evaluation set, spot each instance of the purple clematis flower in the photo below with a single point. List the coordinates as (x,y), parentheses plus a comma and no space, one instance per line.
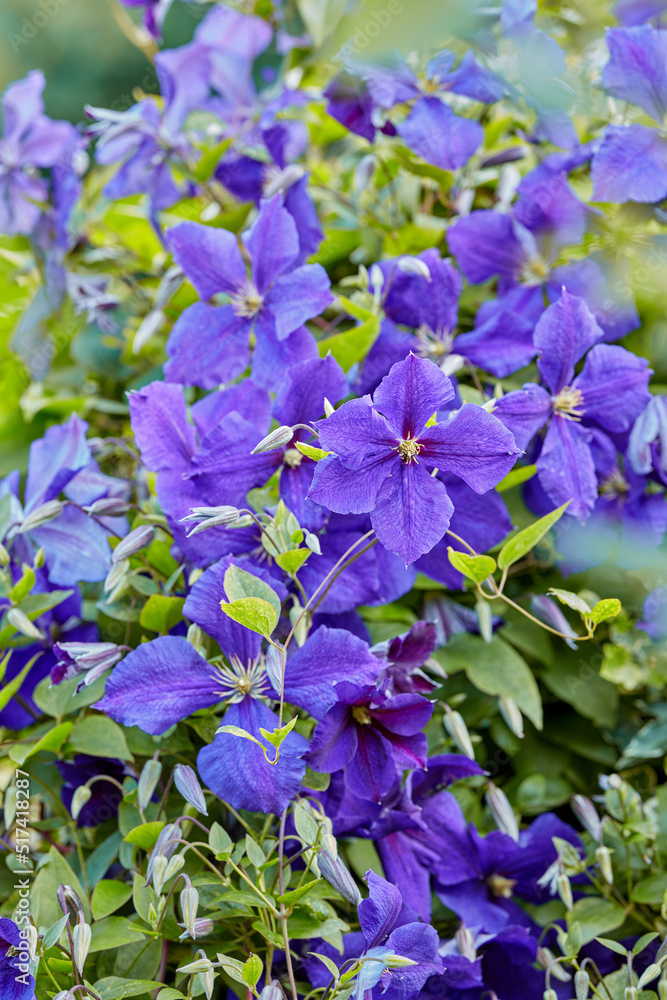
(30,141)
(477,877)
(384,934)
(608,395)
(631,164)
(405,655)
(654,621)
(144,690)
(631,13)
(204,462)
(382,450)
(15,984)
(105,795)
(209,343)
(75,546)
(148,138)
(369,736)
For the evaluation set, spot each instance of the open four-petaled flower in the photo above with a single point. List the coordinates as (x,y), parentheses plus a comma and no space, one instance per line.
(382,450)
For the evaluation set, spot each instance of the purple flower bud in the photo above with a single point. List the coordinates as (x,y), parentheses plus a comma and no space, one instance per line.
(587,815)
(43,514)
(108,507)
(186,782)
(89,658)
(165,845)
(137,539)
(274,668)
(276,439)
(547,609)
(339,877)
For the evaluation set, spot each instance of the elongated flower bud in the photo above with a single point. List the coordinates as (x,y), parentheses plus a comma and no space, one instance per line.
(115,578)
(81,796)
(502,811)
(70,902)
(41,515)
(276,439)
(662,989)
(511,714)
(150,775)
(581,984)
(587,814)
(630,993)
(414,265)
(549,995)
(565,890)
(189,905)
(159,872)
(137,540)
(465,941)
(457,729)
(273,663)
(20,621)
(339,877)
(4,556)
(188,785)
(650,973)
(108,507)
(272,991)
(397,961)
(328,407)
(603,856)
(81,938)
(199,965)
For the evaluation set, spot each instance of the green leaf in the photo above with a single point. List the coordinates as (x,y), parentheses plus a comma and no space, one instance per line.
(252,971)
(237,731)
(651,890)
(115,988)
(109,896)
(161,614)
(520,544)
(520,474)
(313,779)
(331,966)
(44,904)
(52,935)
(240,585)
(23,586)
(475,568)
(613,946)
(570,600)
(317,454)
(220,840)
(292,561)
(605,610)
(352,345)
(113,932)
(595,916)
(354,308)
(254,613)
(495,668)
(292,895)
(254,851)
(203,170)
(100,736)
(277,737)
(643,942)
(144,836)
(10,689)
(53,740)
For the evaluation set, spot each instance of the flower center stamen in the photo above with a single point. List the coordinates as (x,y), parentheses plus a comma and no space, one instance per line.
(535,271)
(409,449)
(615,486)
(569,402)
(239,680)
(247,302)
(361,715)
(293,458)
(501,886)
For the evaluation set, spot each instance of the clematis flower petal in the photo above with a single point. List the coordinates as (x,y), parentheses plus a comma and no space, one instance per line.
(298,296)
(209,256)
(349,491)
(207,345)
(330,654)
(159,421)
(410,394)
(614,384)
(158,684)
(236,770)
(334,742)
(524,411)
(564,332)
(474,445)
(379,912)
(439,136)
(631,165)
(224,463)
(372,771)
(412,511)
(272,242)
(566,469)
(637,68)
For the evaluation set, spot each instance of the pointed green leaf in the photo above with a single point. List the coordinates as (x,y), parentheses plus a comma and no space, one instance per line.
(292,561)
(253,612)
(475,568)
(605,610)
(240,585)
(520,544)
(570,600)
(317,454)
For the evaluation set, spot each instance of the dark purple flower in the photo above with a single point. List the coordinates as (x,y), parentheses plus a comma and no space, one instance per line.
(381,451)
(631,164)
(369,736)
(209,343)
(105,795)
(16,983)
(405,655)
(30,141)
(608,395)
(233,41)
(154,14)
